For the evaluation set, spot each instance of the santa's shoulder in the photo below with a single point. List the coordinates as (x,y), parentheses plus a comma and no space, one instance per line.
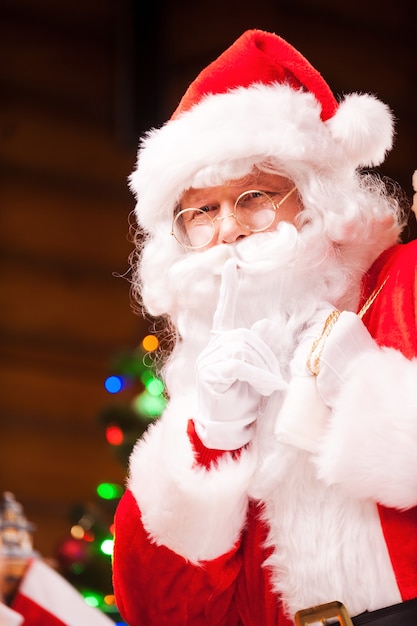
(391,286)
(400,259)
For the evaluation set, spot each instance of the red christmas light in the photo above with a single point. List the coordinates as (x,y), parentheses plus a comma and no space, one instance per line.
(114,435)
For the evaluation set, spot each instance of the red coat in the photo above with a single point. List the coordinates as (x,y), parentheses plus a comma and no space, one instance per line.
(156,586)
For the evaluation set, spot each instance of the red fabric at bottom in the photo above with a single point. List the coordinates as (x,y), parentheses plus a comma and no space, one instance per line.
(399,531)
(34,614)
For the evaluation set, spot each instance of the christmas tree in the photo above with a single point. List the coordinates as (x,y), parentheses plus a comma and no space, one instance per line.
(138,399)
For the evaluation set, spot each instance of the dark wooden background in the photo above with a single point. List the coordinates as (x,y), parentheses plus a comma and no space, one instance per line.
(80,80)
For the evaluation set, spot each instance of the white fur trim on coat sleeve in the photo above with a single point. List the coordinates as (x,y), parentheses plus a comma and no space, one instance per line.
(370,447)
(195,512)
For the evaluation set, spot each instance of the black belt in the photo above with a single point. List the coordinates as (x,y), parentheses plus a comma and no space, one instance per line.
(403,614)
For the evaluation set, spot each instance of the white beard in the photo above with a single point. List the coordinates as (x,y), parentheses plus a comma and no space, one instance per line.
(283,276)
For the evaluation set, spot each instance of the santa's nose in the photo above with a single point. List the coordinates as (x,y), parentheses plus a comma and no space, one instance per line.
(227,228)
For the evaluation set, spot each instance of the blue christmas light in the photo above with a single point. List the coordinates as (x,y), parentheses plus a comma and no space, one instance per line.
(113,384)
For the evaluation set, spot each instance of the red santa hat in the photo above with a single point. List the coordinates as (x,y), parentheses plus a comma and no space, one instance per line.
(260,100)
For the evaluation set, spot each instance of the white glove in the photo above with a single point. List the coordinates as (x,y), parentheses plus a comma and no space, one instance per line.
(234,372)
(348,340)
(327,350)
(304,413)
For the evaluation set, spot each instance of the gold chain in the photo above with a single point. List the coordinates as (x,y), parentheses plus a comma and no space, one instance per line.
(318,344)
(313,360)
(371,299)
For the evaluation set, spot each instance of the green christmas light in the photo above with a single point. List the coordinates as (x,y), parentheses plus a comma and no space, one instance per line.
(107,546)
(146,376)
(91,598)
(149,405)
(109,491)
(154,386)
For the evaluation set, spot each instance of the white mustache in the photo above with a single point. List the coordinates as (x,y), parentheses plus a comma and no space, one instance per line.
(255,254)
(264,252)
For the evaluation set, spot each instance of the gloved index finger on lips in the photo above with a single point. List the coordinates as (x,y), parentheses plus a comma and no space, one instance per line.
(224,314)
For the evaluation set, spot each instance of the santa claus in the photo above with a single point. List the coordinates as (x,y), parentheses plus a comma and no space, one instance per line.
(283,472)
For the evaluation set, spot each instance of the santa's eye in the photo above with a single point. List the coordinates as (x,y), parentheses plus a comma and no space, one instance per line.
(208,208)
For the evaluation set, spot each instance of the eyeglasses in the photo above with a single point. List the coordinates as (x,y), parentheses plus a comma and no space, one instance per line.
(253,210)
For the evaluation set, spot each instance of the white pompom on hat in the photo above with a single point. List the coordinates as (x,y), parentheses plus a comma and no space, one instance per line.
(259,100)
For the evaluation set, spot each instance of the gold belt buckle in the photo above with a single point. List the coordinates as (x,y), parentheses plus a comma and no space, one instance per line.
(323,614)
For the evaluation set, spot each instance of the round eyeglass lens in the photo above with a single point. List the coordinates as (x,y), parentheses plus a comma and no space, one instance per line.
(193,228)
(255,210)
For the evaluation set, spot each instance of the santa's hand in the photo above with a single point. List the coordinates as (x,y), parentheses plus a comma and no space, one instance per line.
(234,372)
(329,348)
(347,341)
(303,413)
(327,351)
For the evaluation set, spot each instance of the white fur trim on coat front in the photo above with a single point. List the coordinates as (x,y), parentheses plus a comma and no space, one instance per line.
(326,545)
(370,447)
(197,513)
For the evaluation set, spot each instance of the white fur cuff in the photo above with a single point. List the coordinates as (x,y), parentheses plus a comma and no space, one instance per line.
(195,512)
(370,447)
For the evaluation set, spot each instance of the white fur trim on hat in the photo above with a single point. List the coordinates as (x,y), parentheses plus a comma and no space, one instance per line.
(364,126)
(256,124)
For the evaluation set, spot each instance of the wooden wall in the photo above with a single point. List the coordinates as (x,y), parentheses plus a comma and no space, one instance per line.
(64,225)
(79,81)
